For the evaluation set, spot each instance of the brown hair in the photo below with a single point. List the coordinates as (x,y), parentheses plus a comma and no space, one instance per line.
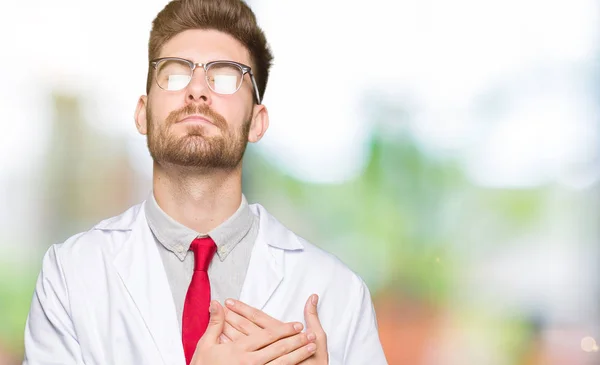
(233,17)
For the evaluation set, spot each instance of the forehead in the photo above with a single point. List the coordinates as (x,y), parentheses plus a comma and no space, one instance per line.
(202,46)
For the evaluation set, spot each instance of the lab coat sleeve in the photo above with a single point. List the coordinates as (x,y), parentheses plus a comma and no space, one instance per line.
(49,334)
(363,345)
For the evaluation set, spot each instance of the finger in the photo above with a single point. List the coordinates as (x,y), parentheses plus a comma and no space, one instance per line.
(224,338)
(241,324)
(284,347)
(254,315)
(311,317)
(215,325)
(311,314)
(296,356)
(268,336)
(232,333)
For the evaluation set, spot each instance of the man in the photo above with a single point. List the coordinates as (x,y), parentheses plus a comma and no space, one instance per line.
(137,288)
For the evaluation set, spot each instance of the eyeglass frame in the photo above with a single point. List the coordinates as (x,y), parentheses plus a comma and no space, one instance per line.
(193,65)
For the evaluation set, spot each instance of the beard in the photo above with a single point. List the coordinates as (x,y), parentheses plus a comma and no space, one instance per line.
(196,149)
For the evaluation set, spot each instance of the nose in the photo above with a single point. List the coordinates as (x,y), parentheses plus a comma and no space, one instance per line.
(197,90)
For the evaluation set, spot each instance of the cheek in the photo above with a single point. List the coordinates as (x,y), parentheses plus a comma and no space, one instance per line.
(230,110)
(160,109)
(238,120)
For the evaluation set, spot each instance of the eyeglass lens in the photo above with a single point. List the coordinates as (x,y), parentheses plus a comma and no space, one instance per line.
(222,77)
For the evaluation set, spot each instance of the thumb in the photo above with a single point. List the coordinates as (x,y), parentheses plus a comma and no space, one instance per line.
(216,323)
(311,316)
(313,324)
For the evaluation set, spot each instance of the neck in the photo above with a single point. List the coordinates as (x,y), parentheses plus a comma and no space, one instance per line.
(199,200)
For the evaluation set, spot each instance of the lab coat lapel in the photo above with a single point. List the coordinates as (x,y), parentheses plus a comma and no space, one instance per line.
(267,265)
(140,267)
(265,273)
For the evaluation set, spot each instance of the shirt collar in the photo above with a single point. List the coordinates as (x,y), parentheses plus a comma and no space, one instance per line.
(177,238)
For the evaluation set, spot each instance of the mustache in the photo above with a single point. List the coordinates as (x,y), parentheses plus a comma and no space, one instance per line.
(198,109)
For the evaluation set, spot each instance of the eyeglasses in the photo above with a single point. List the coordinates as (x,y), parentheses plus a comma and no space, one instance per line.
(222,77)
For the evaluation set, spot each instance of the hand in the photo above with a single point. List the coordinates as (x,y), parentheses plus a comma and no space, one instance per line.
(243,320)
(280,345)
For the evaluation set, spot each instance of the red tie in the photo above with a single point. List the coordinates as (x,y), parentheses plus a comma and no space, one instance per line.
(197,300)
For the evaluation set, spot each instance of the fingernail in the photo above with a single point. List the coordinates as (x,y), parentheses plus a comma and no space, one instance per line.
(311,336)
(229,302)
(212,309)
(298,326)
(314,299)
(311,347)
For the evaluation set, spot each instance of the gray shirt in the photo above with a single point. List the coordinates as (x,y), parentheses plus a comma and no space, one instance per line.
(234,239)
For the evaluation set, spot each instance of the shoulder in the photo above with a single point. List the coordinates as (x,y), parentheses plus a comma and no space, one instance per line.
(104,237)
(320,265)
(314,261)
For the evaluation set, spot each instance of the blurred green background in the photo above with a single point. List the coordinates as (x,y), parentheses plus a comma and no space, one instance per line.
(448,152)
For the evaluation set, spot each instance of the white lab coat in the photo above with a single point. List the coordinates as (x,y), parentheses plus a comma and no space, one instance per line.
(102,297)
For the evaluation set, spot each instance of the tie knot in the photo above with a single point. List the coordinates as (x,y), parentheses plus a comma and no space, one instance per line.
(204,249)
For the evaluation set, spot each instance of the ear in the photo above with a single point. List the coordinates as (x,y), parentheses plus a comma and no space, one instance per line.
(260,123)
(141,120)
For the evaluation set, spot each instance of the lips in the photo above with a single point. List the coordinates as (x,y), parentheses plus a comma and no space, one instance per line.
(195,118)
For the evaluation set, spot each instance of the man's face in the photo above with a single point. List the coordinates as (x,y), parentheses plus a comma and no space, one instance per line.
(196,127)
